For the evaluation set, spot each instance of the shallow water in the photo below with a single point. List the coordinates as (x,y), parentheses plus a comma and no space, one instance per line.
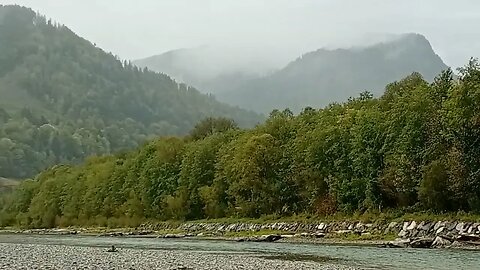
(361,257)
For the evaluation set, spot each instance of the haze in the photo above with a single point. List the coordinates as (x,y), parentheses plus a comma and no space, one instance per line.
(280,30)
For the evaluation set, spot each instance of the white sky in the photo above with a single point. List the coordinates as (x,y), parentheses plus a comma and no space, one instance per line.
(136,29)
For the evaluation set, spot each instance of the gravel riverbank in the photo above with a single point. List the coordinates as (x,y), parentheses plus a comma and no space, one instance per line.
(35,256)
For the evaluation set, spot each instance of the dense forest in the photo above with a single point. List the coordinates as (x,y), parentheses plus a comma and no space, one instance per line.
(63,99)
(315,79)
(416,147)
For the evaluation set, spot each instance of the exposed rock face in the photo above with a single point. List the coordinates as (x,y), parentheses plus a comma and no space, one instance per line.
(441,242)
(399,243)
(262,238)
(422,243)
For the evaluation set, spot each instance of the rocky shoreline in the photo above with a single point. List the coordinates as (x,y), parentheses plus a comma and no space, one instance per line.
(424,234)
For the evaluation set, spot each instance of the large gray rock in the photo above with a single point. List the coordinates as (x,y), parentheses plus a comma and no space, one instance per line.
(468,238)
(405,226)
(269,238)
(427,226)
(412,226)
(399,243)
(422,243)
(402,234)
(451,226)
(171,235)
(439,230)
(441,242)
(459,227)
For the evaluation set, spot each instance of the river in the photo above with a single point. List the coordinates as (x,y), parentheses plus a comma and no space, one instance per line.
(44,251)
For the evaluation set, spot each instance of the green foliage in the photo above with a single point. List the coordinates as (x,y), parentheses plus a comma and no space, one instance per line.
(413,149)
(63,99)
(212,126)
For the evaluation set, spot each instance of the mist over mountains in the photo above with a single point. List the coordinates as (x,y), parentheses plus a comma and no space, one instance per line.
(315,79)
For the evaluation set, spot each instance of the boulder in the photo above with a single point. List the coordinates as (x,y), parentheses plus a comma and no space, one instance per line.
(412,226)
(437,225)
(427,226)
(170,235)
(343,231)
(269,238)
(113,234)
(420,225)
(451,226)
(422,243)
(391,228)
(399,243)
(402,234)
(459,227)
(468,238)
(441,242)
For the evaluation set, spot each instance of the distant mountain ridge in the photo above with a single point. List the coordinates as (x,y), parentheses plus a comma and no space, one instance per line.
(320,77)
(208,68)
(324,76)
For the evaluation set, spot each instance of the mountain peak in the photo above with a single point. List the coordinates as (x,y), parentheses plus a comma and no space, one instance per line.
(323,76)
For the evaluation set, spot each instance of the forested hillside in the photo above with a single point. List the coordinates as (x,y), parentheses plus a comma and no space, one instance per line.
(64,99)
(416,147)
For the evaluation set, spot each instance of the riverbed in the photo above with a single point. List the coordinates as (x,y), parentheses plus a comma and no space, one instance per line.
(90,252)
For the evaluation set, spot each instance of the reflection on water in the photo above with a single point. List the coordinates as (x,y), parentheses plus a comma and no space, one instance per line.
(364,257)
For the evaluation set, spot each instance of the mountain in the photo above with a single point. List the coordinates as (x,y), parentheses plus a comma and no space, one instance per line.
(314,79)
(212,69)
(64,99)
(324,76)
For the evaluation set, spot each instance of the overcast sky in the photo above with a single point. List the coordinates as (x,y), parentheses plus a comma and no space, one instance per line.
(136,29)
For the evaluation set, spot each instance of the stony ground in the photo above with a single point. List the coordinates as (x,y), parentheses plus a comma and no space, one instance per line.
(30,256)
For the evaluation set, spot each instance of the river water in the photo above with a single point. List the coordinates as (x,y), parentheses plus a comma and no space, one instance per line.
(360,257)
